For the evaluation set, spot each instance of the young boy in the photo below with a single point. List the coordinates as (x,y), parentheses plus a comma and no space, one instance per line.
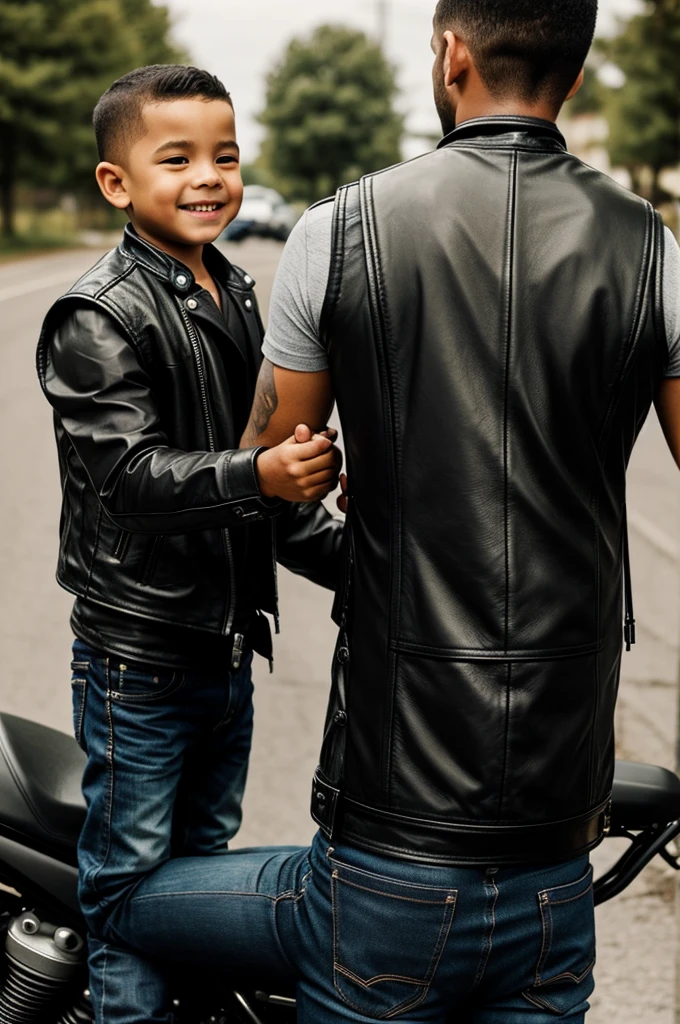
(168,530)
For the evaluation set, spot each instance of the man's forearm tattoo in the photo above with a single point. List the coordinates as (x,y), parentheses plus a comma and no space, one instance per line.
(265,403)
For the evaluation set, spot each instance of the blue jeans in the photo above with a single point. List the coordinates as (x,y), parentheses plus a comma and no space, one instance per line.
(369,938)
(167,758)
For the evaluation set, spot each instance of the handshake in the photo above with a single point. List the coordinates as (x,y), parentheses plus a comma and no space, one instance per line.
(305,467)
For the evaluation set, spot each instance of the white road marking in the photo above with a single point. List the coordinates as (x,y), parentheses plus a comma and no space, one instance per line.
(658,538)
(37,286)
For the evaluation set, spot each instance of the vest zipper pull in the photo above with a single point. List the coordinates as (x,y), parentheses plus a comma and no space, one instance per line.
(237,652)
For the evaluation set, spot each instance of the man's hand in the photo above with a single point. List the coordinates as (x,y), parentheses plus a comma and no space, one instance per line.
(303,468)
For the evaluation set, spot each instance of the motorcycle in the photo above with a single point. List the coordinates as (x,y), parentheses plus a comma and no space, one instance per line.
(43,971)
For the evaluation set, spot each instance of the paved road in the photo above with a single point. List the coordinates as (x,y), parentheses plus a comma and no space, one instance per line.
(637,931)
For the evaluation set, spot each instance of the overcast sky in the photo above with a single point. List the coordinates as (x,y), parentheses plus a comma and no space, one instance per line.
(240,40)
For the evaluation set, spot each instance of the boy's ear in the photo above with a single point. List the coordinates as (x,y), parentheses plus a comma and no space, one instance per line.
(577,85)
(110,181)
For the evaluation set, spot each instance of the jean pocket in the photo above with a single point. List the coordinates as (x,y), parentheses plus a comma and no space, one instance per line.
(138,684)
(388,938)
(79,696)
(564,970)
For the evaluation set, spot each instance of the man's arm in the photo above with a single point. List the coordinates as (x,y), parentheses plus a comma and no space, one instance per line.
(284,399)
(668,410)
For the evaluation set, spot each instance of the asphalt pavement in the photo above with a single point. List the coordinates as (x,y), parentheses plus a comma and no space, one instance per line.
(637,931)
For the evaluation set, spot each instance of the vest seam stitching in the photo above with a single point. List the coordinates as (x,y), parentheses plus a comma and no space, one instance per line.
(376,290)
(509,312)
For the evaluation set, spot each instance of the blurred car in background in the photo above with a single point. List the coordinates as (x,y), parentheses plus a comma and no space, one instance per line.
(264,213)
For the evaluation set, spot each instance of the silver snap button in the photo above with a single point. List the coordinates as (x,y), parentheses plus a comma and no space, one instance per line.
(181,280)
(192,304)
(248,280)
(249,304)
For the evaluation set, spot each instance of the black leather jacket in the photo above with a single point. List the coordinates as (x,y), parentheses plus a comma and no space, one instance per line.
(156,495)
(496,339)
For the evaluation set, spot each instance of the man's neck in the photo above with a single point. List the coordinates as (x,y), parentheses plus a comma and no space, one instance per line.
(483,106)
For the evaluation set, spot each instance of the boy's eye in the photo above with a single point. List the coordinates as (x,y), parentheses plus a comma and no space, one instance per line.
(227,159)
(175,160)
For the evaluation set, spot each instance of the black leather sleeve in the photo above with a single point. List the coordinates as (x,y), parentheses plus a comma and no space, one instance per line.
(103,398)
(309,543)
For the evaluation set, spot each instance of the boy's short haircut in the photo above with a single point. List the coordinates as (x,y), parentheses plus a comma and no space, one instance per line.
(118,119)
(523,49)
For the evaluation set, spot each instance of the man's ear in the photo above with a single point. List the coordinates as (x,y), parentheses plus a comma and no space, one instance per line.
(456,58)
(110,178)
(577,85)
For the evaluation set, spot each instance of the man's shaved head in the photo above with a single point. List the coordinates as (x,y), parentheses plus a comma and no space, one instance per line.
(118,117)
(523,49)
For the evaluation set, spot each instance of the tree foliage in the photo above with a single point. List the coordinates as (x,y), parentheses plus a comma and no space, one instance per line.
(56,58)
(329,113)
(644,113)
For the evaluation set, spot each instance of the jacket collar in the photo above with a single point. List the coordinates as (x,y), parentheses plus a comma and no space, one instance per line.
(505,124)
(175,272)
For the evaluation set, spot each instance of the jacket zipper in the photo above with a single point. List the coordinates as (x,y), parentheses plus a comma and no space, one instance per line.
(226,540)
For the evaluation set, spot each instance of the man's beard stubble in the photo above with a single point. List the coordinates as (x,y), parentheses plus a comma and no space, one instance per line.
(442,100)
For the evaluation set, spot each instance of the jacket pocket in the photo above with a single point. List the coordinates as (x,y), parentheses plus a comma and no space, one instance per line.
(564,970)
(152,557)
(121,544)
(388,938)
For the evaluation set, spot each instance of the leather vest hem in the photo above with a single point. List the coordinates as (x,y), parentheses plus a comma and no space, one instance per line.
(342,819)
(439,842)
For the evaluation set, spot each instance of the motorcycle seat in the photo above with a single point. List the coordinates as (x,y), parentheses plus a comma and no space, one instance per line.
(40,783)
(644,795)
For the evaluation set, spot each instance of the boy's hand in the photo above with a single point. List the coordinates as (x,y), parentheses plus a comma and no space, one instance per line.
(303,468)
(343,498)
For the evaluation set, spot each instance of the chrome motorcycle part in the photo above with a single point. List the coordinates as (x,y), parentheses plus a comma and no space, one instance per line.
(43,960)
(80,1013)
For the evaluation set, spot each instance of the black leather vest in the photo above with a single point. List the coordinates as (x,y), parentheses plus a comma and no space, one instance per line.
(496,340)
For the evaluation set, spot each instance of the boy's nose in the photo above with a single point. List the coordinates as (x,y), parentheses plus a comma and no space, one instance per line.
(207,178)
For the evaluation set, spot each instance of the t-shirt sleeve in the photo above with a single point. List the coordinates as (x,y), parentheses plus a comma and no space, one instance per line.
(292,340)
(671,302)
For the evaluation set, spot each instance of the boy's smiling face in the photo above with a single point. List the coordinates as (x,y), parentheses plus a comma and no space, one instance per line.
(180,182)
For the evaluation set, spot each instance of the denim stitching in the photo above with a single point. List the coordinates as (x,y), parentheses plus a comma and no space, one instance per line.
(410,1003)
(382,878)
(108,811)
(392,896)
(376,978)
(101,1005)
(176,683)
(570,899)
(207,892)
(568,885)
(487,953)
(546,943)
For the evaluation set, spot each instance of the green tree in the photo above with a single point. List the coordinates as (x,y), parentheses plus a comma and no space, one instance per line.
(644,113)
(56,58)
(329,113)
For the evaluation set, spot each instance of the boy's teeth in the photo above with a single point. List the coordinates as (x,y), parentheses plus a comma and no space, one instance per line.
(202,207)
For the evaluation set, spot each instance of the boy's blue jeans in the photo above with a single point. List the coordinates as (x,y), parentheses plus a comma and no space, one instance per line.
(167,758)
(374,938)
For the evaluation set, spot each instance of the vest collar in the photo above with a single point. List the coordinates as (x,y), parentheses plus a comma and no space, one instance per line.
(505,124)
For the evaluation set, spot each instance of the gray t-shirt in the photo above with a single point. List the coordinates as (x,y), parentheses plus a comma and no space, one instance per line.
(292,340)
